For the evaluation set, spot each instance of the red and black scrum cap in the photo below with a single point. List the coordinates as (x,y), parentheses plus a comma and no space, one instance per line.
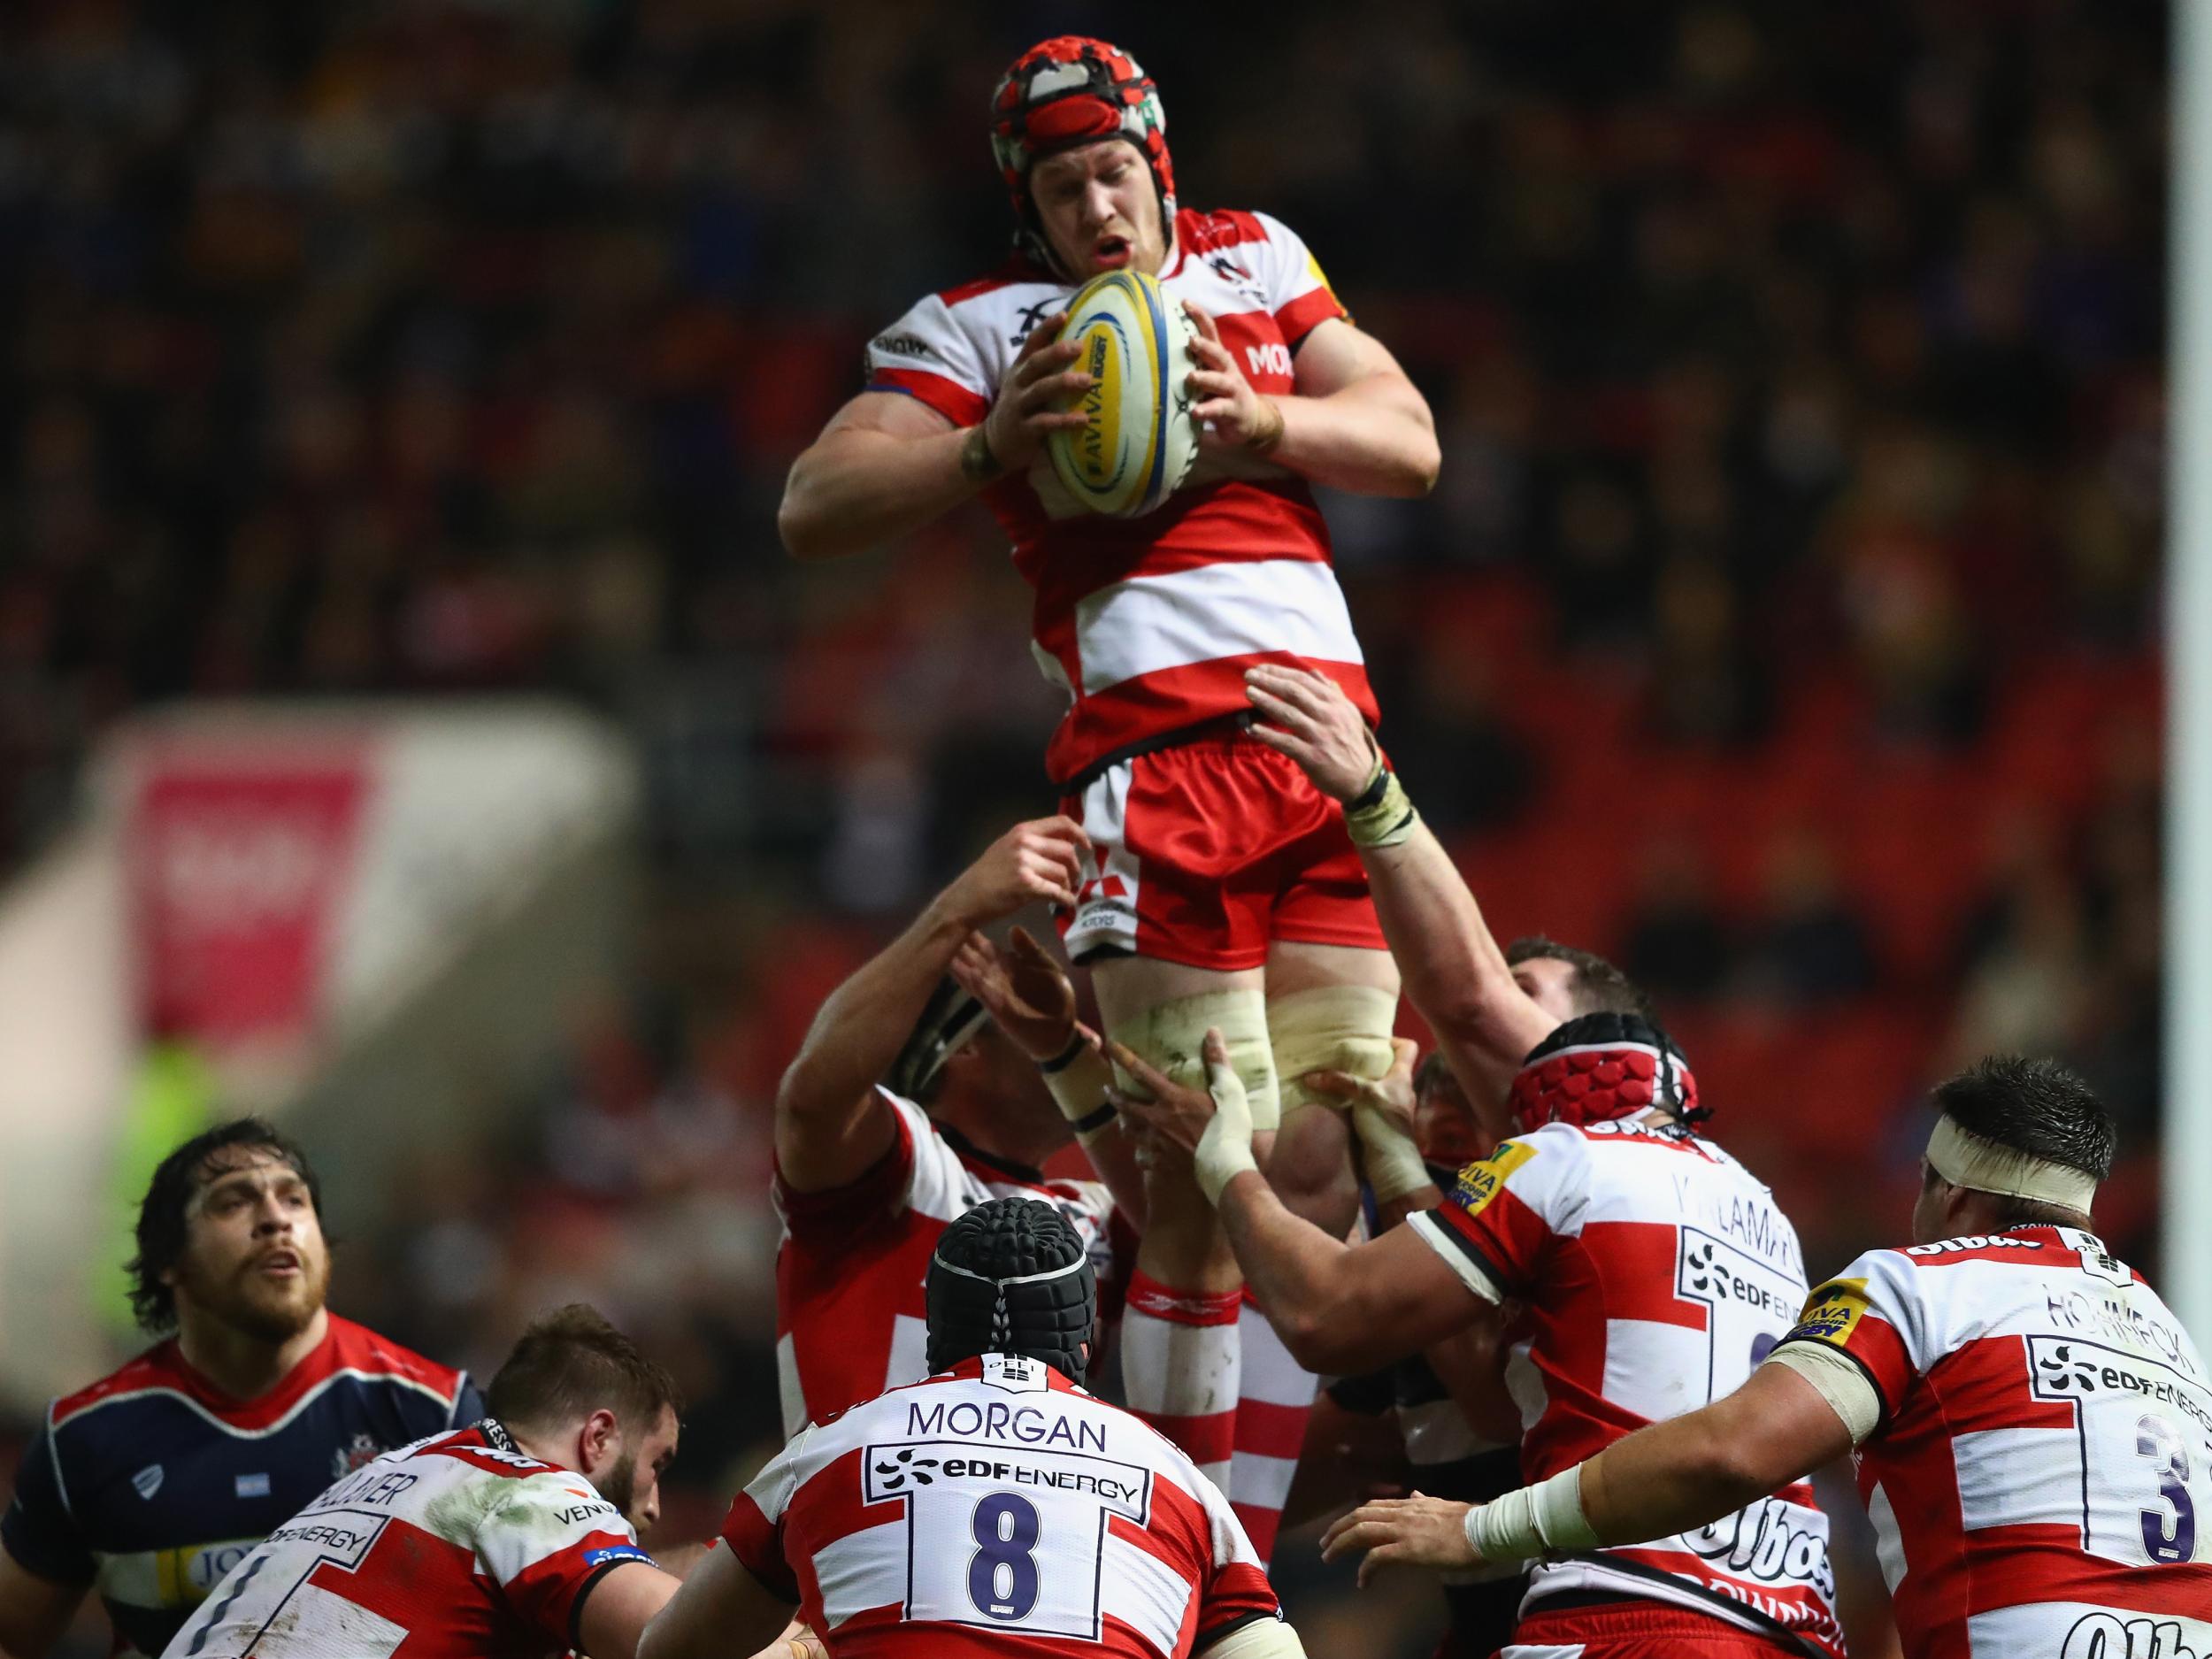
(1598,1067)
(1070,91)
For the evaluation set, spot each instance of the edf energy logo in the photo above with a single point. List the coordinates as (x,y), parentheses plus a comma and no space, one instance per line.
(1479,1183)
(1832,1313)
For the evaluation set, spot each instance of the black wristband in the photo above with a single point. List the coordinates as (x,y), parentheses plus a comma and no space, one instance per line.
(1065,1058)
(1373,793)
(1105,1114)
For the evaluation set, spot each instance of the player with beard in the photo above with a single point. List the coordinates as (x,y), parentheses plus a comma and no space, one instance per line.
(1219,888)
(516,1536)
(150,1484)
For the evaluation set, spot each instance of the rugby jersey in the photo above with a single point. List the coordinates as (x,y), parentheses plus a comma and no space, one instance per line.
(997,1509)
(459,1547)
(152,1483)
(850,1314)
(1657,1272)
(2040,1478)
(1148,623)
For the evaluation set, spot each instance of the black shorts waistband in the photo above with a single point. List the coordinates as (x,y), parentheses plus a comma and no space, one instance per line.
(1234,724)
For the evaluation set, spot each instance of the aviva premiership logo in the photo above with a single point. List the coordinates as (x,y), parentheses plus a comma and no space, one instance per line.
(1479,1183)
(1832,1312)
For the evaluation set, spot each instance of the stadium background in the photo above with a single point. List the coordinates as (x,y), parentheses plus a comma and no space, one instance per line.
(1783,623)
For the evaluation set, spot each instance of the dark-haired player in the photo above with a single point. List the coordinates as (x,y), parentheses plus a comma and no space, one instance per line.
(995,1508)
(1218,889)
(515,1536)
(2033,1426)
(1655,1272)
(149,1484)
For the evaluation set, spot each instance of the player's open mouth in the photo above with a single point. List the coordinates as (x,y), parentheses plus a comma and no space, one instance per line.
(1111,253)
(278,1265)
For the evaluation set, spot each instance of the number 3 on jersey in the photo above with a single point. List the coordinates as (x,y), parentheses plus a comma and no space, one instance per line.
(981,1553)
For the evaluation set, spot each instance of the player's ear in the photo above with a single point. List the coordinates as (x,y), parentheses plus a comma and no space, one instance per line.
(599,1440)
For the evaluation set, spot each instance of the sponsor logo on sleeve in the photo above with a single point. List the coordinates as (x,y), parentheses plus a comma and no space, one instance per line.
(1832,1312)
(900,345)
(1479,1183)
(616,1552)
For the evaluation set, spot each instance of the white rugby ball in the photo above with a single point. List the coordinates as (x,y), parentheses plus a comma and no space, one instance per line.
(1138,439)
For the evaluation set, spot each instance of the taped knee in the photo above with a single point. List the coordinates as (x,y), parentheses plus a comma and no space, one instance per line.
(1171,1035)
(1335,1028)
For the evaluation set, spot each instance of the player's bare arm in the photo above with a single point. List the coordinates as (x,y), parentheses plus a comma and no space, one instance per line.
(33,1611)
(887,464)
(1356,423)
(1672,1477)
(721,1609)
(831,1125)
(1454,973)
(1030,997)
(619,1604)
(1337,1307)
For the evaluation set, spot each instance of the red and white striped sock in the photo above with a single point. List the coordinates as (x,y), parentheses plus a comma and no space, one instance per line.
(1178,1368)
(1275,1397)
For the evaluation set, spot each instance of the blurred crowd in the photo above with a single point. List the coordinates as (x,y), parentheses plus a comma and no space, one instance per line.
(1782,621)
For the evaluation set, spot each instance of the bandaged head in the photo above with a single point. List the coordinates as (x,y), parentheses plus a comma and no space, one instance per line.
(1966,1159)
(1598,1067)
(1011,1277)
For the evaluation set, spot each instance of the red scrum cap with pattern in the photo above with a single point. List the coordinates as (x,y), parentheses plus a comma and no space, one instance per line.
(1066,92)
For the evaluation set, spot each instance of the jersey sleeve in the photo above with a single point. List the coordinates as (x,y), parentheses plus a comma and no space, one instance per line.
(1500,1215)
(1235,1590)
(1874,1313)
(927,355)
(838,1217)
(754,1527)
(1297,292)
(39,1529)
(546,1542)
(468,1404)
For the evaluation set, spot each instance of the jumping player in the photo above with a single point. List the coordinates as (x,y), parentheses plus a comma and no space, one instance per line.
(1221,891)
(902,1110)
(1655,1272)
(516,1536)
(149,1484)
(995,1509)
(2033,1428)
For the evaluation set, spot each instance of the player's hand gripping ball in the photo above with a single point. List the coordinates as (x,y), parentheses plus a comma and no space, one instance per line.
(1136,444)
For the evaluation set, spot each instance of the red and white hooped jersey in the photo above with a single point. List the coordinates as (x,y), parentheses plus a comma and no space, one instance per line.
(2040,1479)
(1148,623)
(1656,1271)
(1005,1512)
(457,1547)
(849,1307)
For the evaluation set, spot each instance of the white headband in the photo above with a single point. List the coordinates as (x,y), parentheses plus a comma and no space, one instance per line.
(1965,1159)
(1076,1266)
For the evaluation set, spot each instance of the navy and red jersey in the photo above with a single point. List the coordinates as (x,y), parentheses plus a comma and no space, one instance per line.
(152,1483)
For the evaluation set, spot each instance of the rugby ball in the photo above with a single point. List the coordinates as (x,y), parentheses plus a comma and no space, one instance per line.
(1136,442)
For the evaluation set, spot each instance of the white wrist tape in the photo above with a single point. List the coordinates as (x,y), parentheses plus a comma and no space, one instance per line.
(1225,1148)
(1078,1088)
(1529,1521)
(1965,1159)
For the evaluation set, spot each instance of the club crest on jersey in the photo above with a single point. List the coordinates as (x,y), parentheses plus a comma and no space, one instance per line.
(360,1451)
(147,1481)
(1832,1312)
(1479,1183)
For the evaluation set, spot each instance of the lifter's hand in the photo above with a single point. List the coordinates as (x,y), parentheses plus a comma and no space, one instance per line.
(1310,719)
(1414,1531)
(1025,990)
(1212,1125)
(1034,398)
(1241,417)
(1040,859)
